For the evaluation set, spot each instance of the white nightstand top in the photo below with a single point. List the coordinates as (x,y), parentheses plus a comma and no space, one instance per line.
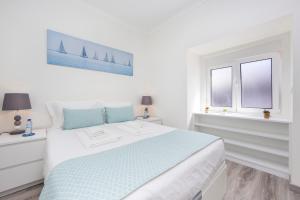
(149,119)
(156,120)
(6,138)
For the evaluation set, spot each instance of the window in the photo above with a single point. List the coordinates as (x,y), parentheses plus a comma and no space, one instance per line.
(256,84)
(245,85)
(221,87)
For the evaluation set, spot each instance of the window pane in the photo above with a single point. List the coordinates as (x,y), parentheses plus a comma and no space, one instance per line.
(256,83)
(221,87)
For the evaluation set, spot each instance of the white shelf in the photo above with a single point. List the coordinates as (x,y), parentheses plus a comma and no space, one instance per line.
(256,147)
(274,132)
(245,132)
(267,166)
(276,119)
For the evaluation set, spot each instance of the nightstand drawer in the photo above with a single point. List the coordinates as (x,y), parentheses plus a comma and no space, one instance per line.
(15,154)
(20,175)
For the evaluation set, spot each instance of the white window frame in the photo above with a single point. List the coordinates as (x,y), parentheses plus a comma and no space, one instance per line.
(236,84)
(276,69)
(208,95)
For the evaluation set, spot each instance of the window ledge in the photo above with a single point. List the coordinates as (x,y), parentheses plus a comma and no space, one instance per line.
(275,119)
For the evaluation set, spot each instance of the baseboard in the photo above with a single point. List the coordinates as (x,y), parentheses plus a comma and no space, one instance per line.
(258,167)
(22,187)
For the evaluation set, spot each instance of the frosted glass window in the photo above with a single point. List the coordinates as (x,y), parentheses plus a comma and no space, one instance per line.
(256,84)
(221,87)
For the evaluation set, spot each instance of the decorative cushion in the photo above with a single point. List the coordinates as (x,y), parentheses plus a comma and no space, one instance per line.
(56,109)
(119,114)
(80,118)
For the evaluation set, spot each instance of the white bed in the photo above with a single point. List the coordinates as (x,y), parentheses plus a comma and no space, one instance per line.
(205,170)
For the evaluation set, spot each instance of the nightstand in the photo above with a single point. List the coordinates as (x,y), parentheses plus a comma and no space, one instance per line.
(21,161)
(156,120)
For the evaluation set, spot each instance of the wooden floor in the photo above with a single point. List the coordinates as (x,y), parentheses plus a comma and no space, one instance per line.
(244,183)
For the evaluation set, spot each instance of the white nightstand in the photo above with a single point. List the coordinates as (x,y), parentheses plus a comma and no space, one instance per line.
(156,120)
(21,161)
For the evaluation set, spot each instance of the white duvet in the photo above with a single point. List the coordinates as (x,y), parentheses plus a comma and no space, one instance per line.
(182,182)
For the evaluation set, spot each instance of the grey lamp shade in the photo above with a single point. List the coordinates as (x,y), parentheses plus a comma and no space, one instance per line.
(16,101)
(146,100)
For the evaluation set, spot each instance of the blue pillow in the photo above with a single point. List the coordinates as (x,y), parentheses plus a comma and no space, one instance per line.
(119,114)
(80,118)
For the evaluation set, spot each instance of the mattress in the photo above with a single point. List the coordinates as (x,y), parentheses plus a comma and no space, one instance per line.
(181,182)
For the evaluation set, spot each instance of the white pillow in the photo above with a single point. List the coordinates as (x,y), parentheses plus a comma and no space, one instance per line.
(55,109)
(116,104)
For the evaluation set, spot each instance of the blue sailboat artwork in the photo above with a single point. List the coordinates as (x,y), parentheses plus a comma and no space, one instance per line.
(95,56)
(105,58)
(83,53)
(61,48)
(65,50)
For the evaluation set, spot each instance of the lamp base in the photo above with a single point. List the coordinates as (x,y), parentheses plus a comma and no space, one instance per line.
(146,113)
(17,132)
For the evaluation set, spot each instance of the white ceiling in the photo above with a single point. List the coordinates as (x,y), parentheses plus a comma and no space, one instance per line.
(142,14)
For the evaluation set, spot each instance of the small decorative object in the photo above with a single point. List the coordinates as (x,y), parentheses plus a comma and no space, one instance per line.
(16,101)
(69,51)
(266,114)
(206,109)
(146,100)
(225,110)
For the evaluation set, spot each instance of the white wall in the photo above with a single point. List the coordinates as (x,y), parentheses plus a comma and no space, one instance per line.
(208,22)
(23,64)
(295,127)
(193,84)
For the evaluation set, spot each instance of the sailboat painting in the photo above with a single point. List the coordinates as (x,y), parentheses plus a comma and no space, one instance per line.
(65,50)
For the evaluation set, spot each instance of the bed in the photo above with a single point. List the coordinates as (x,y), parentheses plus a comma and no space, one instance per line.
(201,175)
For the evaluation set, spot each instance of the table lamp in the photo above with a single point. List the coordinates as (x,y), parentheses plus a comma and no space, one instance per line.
(146,100)
(16,101)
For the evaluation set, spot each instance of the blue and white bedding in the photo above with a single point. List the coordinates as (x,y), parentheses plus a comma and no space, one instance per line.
(165,164)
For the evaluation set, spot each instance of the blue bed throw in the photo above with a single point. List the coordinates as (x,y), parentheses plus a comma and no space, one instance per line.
(116,173)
